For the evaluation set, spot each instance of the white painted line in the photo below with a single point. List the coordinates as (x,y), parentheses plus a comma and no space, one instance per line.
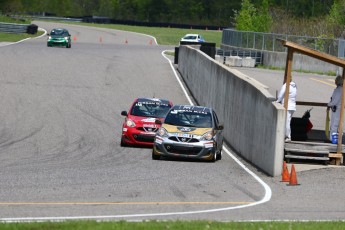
(177,78)
(266,198)
(12,43)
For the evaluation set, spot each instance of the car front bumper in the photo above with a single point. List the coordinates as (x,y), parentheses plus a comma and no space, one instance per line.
(57,42)
(204,150)
(134,137)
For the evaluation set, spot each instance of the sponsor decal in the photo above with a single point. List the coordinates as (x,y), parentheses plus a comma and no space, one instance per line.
(148,126)
(184,135)
(149,120)
(124,129)
(148,133)
(186,129)
(158,140)
(208,145)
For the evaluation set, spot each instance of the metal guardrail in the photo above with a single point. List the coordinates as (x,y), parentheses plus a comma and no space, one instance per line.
(255,54)
(57,19)
(18,28)
(13,28)
(30,28)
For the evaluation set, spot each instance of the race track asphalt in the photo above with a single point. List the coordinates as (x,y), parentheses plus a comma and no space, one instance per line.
(60,153)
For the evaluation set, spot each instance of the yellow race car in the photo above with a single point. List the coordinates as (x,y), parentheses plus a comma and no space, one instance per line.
(190,132)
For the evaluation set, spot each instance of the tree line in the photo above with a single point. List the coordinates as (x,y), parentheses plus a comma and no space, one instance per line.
(277,16)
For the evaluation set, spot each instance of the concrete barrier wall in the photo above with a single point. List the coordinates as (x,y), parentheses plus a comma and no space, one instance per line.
(300,62)
(253,122)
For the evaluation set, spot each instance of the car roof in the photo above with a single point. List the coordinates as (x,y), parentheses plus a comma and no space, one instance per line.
(191,35)
(197,109)
(147,99)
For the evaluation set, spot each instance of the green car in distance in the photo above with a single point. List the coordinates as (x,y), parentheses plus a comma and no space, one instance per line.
(59,37)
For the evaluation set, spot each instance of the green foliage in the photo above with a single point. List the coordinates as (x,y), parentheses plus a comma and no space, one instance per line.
(337,13)
(244,18)
(204,12)
(322,42)
(262,21)
(249,18)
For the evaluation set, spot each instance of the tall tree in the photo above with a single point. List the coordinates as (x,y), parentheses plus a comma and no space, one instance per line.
(336,18)
(244,17)
(11,6)
(262,21)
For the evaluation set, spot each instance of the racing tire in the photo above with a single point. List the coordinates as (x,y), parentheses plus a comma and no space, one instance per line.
(214,157)
(219,155)
(123,144)
(155,157)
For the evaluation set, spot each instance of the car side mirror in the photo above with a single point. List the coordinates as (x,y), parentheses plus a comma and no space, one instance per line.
(48,34)
(158,122)
(220,127)
(124,113)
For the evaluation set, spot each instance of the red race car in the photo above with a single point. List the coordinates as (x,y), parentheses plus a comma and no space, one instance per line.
(139,127)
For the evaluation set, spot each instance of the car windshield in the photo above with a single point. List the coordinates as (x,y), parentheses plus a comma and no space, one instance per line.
(189,119)
(150,109)
(190,37)
(59,32)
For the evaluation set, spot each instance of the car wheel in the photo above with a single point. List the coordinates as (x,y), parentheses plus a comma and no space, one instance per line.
(123,144)
(214,157)
(155,157)
(219,155)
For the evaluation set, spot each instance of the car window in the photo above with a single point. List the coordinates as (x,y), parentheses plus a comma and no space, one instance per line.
(188,118)
(150,109)
(56,32)
(215,118)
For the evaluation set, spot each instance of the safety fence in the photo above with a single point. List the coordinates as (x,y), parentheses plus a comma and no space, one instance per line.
(18,28)
(268,42)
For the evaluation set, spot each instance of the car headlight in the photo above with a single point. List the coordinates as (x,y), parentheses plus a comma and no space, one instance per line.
(49,37)
(162,132)
(130,123)
(207,136)
(66,38)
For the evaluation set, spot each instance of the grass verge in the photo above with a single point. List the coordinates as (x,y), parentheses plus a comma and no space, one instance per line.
(177,225)
(164,35)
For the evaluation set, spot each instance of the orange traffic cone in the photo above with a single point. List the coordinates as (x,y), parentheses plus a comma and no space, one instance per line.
(151,42)
(74,38)
(285,174)
(293,178)
(126,41)
(100,39)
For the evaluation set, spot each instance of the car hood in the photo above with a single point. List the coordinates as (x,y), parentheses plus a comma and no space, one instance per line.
(189,130)
(145,120)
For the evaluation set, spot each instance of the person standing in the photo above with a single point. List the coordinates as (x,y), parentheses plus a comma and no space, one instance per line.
(291,106)
(335,106)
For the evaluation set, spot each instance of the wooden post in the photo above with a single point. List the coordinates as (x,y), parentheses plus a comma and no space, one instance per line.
(287,77)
